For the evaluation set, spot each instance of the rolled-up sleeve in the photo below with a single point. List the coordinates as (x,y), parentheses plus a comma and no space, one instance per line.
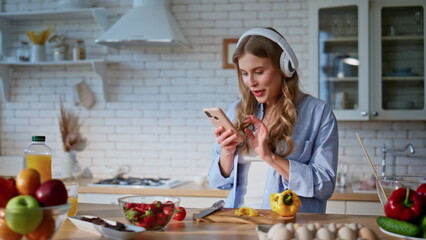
(215,177)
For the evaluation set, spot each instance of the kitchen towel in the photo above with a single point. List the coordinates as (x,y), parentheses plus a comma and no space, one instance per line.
(83,95)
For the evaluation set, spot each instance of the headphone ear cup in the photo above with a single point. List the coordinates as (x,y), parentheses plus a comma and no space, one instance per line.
(285,65)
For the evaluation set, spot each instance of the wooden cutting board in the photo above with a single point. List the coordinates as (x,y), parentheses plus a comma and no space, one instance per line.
(226,215)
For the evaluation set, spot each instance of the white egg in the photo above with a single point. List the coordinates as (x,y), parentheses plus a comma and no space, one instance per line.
(317,226)
(282,234)
(346,233)
(367,234)
(332,228)
(304,233)
(290,226)
(353,226)
(311,227)
(296,226)
(274,228)
(324,234)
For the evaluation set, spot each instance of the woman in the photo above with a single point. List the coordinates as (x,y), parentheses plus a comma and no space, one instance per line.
(291,137)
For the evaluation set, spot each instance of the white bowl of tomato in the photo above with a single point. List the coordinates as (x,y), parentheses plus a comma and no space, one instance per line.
(150,212)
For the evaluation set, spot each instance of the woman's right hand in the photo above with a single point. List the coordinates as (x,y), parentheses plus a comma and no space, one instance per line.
(227,139)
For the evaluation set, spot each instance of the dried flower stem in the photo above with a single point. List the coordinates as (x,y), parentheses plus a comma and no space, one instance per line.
(70,130)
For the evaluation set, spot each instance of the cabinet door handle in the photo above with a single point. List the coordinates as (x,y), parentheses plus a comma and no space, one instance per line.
(374,113)
(363,113)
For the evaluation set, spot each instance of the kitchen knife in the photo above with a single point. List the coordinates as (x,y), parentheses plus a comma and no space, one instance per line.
(216,206)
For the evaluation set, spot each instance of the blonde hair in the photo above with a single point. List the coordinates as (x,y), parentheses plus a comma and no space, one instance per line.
(285,109)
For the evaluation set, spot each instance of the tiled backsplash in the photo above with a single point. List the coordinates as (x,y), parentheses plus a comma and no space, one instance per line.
(154,120)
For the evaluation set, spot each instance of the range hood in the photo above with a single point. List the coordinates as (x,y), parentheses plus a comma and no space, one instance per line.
(148,23)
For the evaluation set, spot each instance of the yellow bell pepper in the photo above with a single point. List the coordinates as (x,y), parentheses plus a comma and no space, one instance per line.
(285,204)
(246,211)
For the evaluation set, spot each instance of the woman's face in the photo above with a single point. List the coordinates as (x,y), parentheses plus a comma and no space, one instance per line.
(263,80)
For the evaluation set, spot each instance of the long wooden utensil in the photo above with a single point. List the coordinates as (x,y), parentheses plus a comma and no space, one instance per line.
(372,166)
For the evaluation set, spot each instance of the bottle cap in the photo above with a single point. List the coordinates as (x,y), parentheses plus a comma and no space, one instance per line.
(38,138)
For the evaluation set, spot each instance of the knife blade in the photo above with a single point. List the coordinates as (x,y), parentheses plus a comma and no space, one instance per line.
(216,206)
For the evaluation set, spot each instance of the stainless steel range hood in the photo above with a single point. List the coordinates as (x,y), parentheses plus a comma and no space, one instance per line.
(148,23)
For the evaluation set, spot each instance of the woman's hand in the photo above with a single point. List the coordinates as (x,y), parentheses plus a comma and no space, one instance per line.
(226,139)
(258,137)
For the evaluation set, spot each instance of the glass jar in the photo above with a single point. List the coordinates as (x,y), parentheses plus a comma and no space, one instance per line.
(23,52)
(39,156)
(78,50)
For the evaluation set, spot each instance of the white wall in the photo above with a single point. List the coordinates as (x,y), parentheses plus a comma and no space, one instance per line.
(154,120)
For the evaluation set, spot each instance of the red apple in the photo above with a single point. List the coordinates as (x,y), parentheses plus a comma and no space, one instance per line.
(51,193)
(7,190)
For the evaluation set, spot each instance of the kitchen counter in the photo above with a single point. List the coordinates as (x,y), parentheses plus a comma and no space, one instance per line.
(190,189)
(189,229)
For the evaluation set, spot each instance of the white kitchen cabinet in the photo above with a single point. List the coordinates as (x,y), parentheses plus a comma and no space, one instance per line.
(368,58)
(336,207)
(100,15)
(192,202)
(354,207)
(364,208)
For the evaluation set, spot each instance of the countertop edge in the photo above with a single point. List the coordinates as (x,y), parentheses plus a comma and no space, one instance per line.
(190,189)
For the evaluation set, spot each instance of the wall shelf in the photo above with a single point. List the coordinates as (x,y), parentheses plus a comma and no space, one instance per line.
(6,72)
(344,79)
(100,15)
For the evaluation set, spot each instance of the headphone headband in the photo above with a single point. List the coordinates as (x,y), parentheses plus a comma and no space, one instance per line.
(277,38)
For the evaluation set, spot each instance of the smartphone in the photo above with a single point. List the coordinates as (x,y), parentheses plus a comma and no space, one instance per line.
(219,118)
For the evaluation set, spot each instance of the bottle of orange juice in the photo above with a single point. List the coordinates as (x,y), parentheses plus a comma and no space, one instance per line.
(39,156)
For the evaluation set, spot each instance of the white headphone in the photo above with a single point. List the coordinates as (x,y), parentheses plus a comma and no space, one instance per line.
(288,60)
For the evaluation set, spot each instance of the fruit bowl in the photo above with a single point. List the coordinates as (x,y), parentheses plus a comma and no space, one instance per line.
(32,223)
(390,183)
(150,212)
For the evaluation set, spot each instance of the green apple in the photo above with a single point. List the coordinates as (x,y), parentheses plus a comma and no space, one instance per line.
(23,214)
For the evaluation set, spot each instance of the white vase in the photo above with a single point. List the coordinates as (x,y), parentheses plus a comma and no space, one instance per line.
(71,167)
(38,53)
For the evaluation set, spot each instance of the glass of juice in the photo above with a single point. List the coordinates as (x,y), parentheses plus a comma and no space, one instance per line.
(72,189)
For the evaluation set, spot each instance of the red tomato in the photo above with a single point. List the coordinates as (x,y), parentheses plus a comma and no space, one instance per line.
(180,214)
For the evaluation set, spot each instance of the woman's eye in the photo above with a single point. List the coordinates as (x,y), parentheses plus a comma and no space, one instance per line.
(258,73)
(244,74)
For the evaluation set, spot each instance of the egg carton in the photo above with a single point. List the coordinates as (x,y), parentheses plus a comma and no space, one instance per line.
(315,231)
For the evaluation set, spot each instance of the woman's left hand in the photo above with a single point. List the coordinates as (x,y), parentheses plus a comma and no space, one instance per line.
(258,137)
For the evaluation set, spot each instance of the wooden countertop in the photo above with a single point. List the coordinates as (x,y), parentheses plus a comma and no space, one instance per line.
(190,189)
(189,229)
